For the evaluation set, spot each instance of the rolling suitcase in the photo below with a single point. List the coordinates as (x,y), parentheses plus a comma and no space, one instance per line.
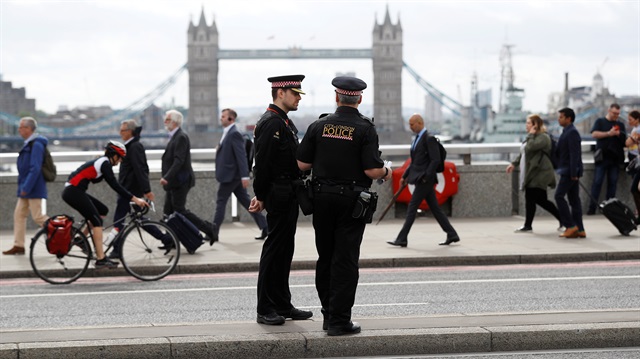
(618,213)
(188,234)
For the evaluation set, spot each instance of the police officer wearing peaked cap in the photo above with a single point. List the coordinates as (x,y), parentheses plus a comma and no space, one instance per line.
(342,150)
(276,143)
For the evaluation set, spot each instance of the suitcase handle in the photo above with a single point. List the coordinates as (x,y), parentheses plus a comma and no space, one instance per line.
(589,193)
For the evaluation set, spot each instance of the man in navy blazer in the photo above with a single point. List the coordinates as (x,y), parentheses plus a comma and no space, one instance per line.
(425,157)
(232,172)
(177,174)
(569,156)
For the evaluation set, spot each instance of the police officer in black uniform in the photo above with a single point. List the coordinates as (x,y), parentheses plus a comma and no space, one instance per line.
(276,143)
(342,150)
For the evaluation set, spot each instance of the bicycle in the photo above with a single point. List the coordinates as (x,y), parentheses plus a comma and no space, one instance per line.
(140,256)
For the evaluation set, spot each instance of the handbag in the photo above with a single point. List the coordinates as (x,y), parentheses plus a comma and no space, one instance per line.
(598,156)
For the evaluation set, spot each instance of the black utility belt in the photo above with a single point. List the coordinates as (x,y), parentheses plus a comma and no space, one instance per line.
(345,190)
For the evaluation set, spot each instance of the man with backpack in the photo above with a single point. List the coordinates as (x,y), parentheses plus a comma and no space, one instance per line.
(32,187)
(232,172)
(426,161)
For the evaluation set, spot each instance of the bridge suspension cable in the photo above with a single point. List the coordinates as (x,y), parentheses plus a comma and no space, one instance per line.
(444,100)
(108,122)
(133,109)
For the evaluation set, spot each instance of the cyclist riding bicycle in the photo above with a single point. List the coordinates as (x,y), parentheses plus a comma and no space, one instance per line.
(75,194)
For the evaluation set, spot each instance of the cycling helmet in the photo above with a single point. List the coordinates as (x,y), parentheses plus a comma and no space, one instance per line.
(115,148)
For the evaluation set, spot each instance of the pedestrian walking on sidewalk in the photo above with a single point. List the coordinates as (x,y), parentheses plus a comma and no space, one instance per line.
(32,188)
(232,172)
(425,158)
(177,174)
(570,169)
(536,172)
(276,143)
(133,176)
(342,149)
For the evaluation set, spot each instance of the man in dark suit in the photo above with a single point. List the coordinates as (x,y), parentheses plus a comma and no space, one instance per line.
(232,172)
(177,174)
(569,155)
(133,175)
(425,157)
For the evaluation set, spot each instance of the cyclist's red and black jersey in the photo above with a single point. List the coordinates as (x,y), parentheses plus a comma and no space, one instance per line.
(95,171)
(75,191)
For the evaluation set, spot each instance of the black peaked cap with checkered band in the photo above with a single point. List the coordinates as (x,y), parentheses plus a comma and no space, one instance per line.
(293,82)
(347,85)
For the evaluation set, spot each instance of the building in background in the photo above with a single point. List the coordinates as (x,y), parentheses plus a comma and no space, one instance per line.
(588,102)
(14,102)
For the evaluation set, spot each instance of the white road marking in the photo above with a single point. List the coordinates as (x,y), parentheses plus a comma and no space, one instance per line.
(412,283)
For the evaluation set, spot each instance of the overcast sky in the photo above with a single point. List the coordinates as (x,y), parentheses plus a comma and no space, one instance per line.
(113,52)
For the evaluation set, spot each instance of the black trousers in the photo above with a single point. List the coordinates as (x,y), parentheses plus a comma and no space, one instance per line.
(338,239)
(122,209)
(533,196)
(569,188)
(176,200)
(277,252)
(425,191)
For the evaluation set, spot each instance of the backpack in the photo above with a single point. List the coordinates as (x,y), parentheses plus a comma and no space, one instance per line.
(248,146)
(443,155)
(59,234)
(48,167)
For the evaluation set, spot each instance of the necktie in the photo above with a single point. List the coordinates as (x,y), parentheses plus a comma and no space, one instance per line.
(413,145)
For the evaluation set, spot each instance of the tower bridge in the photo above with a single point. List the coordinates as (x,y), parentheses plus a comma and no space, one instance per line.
(204,54)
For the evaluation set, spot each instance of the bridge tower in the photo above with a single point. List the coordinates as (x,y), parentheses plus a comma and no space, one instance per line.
(387,80)
(202,64)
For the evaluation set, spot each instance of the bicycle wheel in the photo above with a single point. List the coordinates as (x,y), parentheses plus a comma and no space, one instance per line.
(60,269)
(141,254)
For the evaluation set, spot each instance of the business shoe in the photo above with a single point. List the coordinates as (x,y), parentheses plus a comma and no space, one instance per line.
(450,239)
(571,232)
(296,314)
(166,248)
(351,328)
(325,320)
(14,250)
(212,233)
(270,319)
(263,235)
(523,229)
(398,243)
(581,234)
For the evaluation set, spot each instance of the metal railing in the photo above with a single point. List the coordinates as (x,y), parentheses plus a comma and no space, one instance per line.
(208,155)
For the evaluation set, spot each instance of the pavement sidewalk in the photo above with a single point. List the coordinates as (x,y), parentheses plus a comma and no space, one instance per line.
(483,241)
